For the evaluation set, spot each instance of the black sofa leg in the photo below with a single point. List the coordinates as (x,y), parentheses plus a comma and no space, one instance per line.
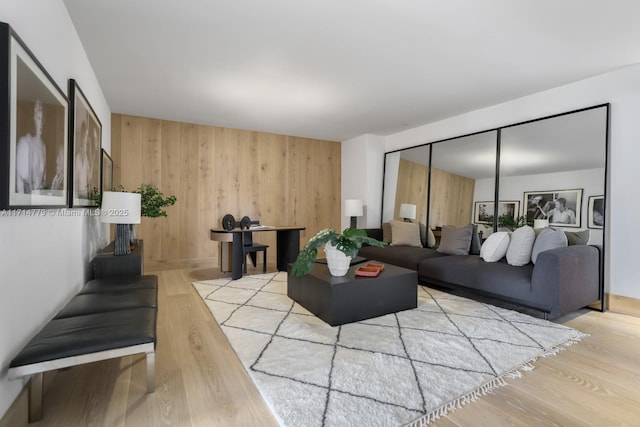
(35,397)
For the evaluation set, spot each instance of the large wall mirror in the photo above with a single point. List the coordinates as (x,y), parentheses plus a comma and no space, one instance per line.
(462,171)
(551,169)
(555,167)
(406,182)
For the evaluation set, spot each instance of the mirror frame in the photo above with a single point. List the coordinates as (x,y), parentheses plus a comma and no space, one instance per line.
(498,131)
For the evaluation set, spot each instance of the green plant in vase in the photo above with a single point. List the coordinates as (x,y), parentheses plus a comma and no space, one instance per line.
(348,242)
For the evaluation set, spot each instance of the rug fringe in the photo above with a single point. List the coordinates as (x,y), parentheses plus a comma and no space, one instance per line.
(490,386)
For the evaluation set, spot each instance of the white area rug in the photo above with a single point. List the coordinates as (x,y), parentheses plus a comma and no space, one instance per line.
(407,368)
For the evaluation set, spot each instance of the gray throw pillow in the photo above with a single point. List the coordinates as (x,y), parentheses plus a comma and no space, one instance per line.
(455,240)
(475,241)
(548,239)
(577,237)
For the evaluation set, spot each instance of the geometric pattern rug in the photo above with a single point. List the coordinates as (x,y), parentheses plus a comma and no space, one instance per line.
(406,368)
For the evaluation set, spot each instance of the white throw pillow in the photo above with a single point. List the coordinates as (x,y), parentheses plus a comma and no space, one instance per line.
(495,247)
(520,246)
(548,239)
(405,234)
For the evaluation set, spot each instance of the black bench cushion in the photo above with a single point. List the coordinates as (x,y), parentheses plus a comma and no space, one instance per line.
(82,304)
(111,284)
(90,333)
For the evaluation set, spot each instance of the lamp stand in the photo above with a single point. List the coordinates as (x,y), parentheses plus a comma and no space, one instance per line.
(354,222)
(122,241)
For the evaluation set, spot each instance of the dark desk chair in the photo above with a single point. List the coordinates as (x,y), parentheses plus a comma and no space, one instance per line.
(252,249)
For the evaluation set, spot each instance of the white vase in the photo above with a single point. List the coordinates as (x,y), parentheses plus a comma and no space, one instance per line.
(337,261)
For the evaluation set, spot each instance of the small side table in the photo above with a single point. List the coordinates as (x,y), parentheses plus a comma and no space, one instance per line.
(106,264)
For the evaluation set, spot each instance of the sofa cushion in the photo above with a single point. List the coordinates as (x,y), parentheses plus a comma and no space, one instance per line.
(521,246)
(455,240)
(495,247)
(386,232)
(548,238)
(577,237)
(402,256)
(470,271)
(405,234)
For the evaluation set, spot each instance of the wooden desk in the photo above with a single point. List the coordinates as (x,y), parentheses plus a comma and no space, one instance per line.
(287,245)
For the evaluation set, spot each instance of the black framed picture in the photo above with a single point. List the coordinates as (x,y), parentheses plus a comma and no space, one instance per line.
(483,211)
(33,130)
(86,143)
(595,216)
(561,207)
(106,181)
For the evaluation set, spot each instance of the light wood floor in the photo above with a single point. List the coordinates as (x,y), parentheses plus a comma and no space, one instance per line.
(200,382)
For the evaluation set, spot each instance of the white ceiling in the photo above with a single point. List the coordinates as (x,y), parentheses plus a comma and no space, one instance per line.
(336,69)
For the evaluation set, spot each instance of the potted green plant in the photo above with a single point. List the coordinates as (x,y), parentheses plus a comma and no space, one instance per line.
(347,243)
(153,201)
(509,222)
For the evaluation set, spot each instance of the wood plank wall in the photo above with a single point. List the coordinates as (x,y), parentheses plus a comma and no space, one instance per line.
(277,179)
(451,194)
(413,180)
(451,199)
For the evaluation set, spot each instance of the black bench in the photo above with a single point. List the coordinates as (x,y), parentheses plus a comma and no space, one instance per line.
(109,318)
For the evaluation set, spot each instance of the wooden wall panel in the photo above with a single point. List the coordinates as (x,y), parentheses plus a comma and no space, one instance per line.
(413,179)
(451,199)
(277,179)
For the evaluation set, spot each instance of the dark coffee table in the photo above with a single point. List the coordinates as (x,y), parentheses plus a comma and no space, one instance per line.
(351,298)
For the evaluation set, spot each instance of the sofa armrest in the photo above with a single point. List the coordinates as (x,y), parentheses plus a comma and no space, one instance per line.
(567,279)
(376,233)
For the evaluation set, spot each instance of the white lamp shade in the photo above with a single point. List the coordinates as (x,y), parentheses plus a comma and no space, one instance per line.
(407,210)
(540,223)
(353,207)
(120,208)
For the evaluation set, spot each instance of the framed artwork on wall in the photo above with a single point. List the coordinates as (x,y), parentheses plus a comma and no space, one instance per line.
(483,211)
(33,130)
(106,179)
(595,217)
(86,143)
(561,207)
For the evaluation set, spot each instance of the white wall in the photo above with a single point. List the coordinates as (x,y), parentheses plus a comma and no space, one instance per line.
(621,88)
(44,259)
(362,171)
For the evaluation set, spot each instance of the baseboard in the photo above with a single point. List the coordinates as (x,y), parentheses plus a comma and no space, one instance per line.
(159,265)
(624,305)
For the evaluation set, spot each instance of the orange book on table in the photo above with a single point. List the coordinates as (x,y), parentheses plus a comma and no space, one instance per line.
(370,270)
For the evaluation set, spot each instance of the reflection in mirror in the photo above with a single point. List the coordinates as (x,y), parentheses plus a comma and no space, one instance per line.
(462,170)
(553,166)
(406,181)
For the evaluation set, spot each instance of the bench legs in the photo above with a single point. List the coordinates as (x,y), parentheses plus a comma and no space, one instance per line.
(35,397)
(36,384)
(151,372)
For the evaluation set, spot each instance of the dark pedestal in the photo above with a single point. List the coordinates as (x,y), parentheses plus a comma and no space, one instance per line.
(288,247)
(347,299)
(106,264)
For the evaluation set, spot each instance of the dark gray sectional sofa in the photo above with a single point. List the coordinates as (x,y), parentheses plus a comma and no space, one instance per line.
(561,281)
